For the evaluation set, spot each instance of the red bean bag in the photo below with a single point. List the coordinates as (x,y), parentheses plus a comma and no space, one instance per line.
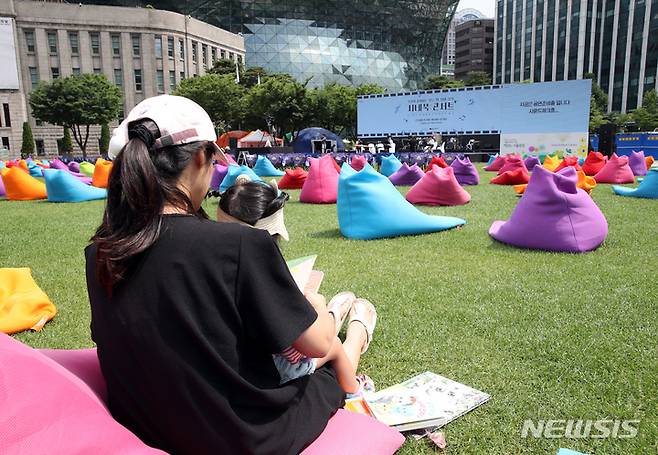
(321,185)
(293,179)
(517,176)
(569,161)
(616,170)
(438,161)
(357,162)
(594,163)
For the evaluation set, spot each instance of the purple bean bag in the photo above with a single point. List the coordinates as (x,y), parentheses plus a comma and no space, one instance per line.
(553,215)
(530,162)
(637,163)
(407,176)
(465,172)
(58,164)
(74,166)
(3,192)
(218,175)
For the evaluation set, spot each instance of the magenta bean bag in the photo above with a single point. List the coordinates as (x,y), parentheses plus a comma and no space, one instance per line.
(553,215)
(530,163)
(406,175)
(321,185)
(74,166)
(439,186)
(637,163)
(616,170)
(357,162)
(218,174)
(68,414)
(3,192)
(497,163)
(465,172)
(511,164)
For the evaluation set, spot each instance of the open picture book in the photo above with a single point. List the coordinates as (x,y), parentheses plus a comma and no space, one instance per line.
(307,279)
(425,401)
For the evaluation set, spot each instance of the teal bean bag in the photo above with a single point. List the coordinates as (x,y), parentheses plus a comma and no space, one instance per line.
(648,187)
(233,172)
(35,169)
(370,207)
(265,168)
(390,165)
(62,186)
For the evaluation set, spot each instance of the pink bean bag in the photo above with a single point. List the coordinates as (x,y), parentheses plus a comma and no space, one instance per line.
(616,170)
(357,162)
(407,175)
(321,185)
(513,162)
(438,187)
(54,399)
(497,163)
(637,163)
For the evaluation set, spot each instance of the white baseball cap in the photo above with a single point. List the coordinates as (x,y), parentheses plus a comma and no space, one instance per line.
(179,119)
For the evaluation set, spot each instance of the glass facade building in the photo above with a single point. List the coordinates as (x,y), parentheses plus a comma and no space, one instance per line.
(552,40)
(395,44)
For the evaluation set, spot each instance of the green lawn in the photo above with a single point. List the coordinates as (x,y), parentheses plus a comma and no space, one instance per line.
(549,336)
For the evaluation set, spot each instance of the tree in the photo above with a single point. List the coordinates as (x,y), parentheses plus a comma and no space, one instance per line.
(225,67)
(278,101)
(218,94)
(252,76)
(67,143)
(27,146)
(646,117)
(474,78)
(104,142)
(439,81)
(77,102)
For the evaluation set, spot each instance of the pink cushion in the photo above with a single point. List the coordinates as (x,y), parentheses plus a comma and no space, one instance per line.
(321,185)
(46,408)
(96,432)
(348,433)
(616,170)
(358,161)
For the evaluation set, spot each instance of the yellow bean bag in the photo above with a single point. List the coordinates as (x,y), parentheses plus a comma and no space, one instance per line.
(20,186)
(23,305)
(552,162)
(101,175)
(87,169)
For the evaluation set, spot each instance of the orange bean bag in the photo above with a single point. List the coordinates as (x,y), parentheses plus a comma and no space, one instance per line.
(23,305)
(101,175)
(514,177)
(649,160)
(551,163)
(20,186)
(569,161)
(23,164)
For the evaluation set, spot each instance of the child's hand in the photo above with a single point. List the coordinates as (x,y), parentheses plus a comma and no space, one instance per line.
(317,301)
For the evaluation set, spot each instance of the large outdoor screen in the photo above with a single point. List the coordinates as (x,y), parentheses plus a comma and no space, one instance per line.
(8,69)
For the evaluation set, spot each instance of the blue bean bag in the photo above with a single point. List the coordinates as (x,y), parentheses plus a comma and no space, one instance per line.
(492,158)
(62,186)
(2,164)
(390,165)
(265,168)
(581,161)
(35,169)
(233,172)
(648,187)
(46,162)
(370,207)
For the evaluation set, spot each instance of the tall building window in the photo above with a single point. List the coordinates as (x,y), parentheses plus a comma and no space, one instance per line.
(182,75)
(204,54)
(158,47)
(40,147)
(170,47)
(138,80)
(137,45)
(118,77)
(172,81)
(213,55)
(194,49)
(34,76)
(181,45)
(97,71)
(159,75)
(230,55)
(240,59)
(75,71)
(75,44)
(95,40)
(52,43)
(5,108)
(55,72)
(222,54)
(116,44)
(29,41)
(5,142)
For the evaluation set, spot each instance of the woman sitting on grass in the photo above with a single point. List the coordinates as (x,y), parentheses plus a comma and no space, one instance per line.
(187,312)
(261,205)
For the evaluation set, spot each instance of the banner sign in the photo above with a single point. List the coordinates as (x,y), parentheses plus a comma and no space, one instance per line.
(544,115)
(9,70)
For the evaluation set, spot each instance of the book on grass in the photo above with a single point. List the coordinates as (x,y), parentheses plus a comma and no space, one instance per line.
(307,279)
(358,405)
(424,401)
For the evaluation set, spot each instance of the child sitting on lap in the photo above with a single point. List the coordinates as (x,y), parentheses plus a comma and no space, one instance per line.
(260,205)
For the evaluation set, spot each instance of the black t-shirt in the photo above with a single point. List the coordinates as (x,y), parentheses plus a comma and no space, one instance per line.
(185,343)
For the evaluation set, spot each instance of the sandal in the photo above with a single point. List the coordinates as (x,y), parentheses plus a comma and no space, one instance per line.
(364,312)
(339,306)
